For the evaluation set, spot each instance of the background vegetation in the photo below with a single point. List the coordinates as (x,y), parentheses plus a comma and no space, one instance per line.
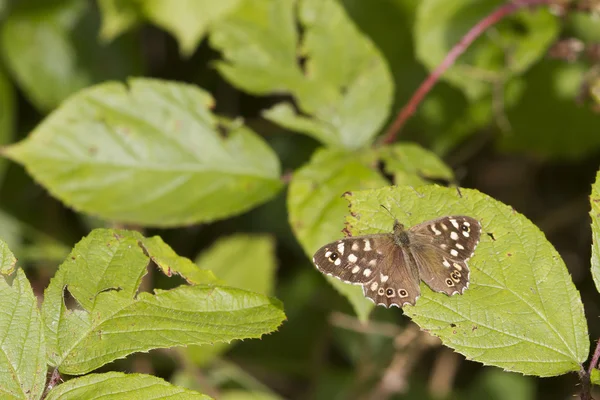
(227,132)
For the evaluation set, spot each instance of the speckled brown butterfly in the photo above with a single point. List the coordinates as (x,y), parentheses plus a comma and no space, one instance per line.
(390,266)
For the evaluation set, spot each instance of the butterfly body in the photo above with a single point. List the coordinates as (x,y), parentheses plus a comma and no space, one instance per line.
(390,266)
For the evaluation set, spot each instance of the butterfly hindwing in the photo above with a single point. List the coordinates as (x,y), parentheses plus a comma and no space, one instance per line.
(397,282)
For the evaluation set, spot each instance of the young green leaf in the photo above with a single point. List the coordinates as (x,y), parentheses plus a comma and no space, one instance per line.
(108,318)
(441,24)
(148,154)
(187,20)
(411,164)
(521,311)
(117,385)
(118,17)
(22,348)
(595,214)
(317,209)
(345,92)
(595,376)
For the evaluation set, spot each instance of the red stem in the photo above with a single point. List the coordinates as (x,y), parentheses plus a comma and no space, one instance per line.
(451,57)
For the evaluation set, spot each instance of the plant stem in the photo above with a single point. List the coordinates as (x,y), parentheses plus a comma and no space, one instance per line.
(476,31)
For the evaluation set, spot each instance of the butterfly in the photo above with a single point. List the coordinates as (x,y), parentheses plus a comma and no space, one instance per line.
(390,266)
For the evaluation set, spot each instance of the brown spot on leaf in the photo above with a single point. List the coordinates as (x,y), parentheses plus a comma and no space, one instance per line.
(509,254)
(453,325)
(474,328)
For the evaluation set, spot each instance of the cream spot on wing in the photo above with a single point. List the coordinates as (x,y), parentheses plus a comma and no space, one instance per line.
(338,261)
(352,258)
(457,266)
(444,246)
(446,263)
(384,278)
(444,227)
(367,245)
(372,263)
(465,234)
(354,246)
(340,247)
(374,286)
(466,223)
(454,235)
(454,253)
(435,230)
(327,254)
(454,223)
(367,272)
(460,246)
(355,269)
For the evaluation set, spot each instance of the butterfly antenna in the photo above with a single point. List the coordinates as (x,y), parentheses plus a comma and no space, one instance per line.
(388,210)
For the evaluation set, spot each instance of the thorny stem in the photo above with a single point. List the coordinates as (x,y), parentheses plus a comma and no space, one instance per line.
(451,57)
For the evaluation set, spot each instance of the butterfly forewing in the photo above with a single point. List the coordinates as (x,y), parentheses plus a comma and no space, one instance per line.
(355,260)
(441,248)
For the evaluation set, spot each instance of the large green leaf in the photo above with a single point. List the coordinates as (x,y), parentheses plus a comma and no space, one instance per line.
(117,385)
(150,154)
(514,46)
(110,319)
(345,91)
(317,208)
(52,51)
(22,346)
(521,311)
(595,214)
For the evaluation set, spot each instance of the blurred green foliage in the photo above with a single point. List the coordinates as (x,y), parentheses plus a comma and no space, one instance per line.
(227,132)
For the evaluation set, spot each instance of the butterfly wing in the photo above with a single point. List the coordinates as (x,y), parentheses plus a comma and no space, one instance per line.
(374,261)
(441,248)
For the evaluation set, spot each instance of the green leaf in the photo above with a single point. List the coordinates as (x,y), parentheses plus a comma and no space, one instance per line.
(317,208)
(116,385)
(345,92)
(118,17)
(52,51)
(242,261)
(22,349)
(441,24)
(187,20)
(521,311)
(595,214)
(149,154)
(111,319)
(547,120)
(410,164)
